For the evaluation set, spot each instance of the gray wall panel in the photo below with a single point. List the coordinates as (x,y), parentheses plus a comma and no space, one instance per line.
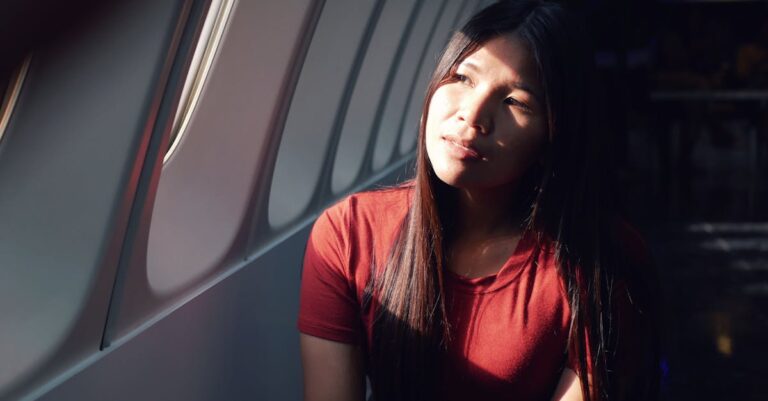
(359,122)
(66,167)
(204,190)
(234,341)
(199,223)
(467,10)
(391,121)
(314,107)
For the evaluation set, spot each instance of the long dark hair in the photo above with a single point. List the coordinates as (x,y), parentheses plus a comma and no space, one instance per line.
(565,204)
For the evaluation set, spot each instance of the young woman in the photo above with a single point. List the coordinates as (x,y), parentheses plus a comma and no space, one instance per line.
(498,273)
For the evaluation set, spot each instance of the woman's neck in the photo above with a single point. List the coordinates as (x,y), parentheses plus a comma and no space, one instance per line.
(485,213)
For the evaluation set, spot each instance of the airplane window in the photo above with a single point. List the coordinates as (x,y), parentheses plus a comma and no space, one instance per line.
(391,122)
(4,95)
(207,45)
(164,242)
(438,41)
(9,90)
(368,92)
(200,223)
(314,107)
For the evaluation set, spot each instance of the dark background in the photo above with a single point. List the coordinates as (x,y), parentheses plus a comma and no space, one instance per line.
(686,87)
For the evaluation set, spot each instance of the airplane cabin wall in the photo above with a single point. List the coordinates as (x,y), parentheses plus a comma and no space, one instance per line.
(187,272)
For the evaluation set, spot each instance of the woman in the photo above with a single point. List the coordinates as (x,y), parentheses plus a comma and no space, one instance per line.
(498,272)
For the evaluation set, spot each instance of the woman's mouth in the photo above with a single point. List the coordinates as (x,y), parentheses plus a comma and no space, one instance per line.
(462,151)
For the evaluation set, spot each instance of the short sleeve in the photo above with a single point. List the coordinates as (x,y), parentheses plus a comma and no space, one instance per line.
(328,306)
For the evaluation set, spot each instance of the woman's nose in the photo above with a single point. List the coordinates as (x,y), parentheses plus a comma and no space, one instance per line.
(477,112)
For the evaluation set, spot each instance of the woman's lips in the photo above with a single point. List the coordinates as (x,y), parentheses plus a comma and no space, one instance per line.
(462,151)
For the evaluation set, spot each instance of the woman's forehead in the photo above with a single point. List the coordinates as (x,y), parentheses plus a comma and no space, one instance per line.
(505,58)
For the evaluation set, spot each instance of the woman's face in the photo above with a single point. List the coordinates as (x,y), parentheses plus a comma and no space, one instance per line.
(487,124)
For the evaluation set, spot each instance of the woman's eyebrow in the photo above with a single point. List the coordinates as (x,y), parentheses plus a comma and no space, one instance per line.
(524,87)
(470,65)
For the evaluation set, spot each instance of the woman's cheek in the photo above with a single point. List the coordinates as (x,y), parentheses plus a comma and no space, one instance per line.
(445,99)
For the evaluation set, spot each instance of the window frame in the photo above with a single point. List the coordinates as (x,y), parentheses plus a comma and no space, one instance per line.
(11,93)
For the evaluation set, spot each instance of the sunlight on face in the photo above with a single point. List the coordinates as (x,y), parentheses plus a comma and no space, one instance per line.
(486,125)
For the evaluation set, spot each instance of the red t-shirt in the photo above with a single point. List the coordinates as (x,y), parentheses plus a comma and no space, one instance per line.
(509,330)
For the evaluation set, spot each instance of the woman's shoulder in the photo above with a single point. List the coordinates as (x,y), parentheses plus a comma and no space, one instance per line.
(349,233)
(361,219)
(381,204)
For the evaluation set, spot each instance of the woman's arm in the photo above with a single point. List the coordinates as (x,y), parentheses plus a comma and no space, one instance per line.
(333,371)
(569,387)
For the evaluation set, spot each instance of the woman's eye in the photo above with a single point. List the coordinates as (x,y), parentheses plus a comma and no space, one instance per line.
(462,78)
(514,102)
